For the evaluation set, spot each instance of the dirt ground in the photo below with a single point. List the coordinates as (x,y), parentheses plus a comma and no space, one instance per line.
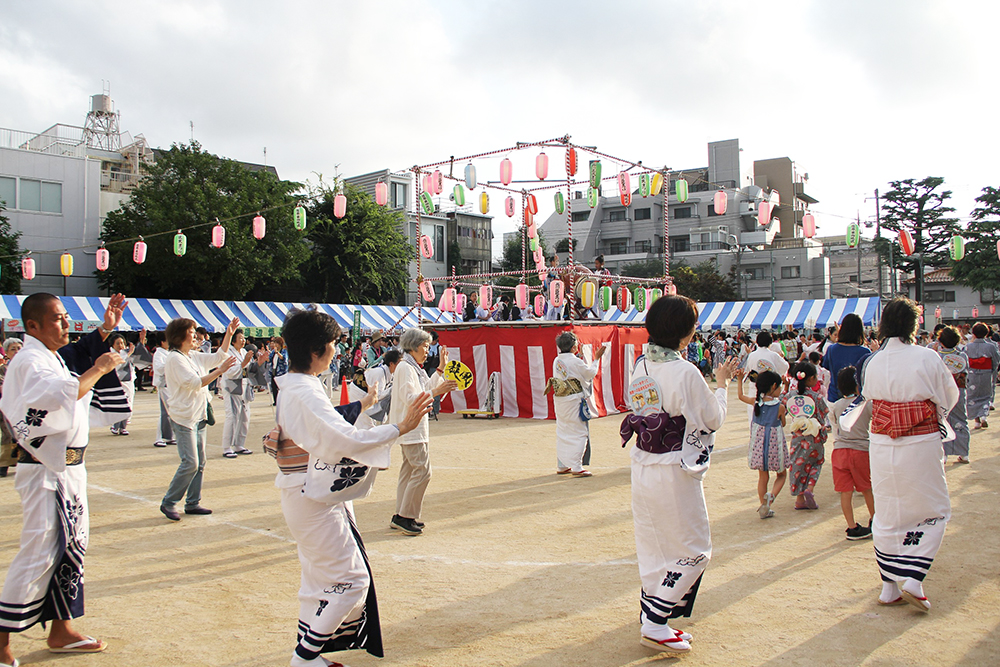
(517,566)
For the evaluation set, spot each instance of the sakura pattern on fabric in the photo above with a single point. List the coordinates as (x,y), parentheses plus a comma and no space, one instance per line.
(807,453)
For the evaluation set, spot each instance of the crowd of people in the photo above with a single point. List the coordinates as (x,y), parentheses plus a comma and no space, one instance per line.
(895,411)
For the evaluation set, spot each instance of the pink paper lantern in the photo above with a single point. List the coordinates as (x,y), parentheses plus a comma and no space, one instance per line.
(906,242)
(764,214)
(721,202)
(808,225)
(103,259)
(426,246)
(557,293)
(508,208)
(28,268)
(259,226)
(506,171)
(529,218)
(670,289)
(539,305)
(218,235)
(532,204)
(381,193)
(139,251)
(427,290)
(542,166)
(447,302)
(993,309)
(485,295)
(975,312)
(532,231)
(625,188)
(437,180)
(998,248)
(937,312)
(340,206)
(539,257)
(521,296)
(460,301)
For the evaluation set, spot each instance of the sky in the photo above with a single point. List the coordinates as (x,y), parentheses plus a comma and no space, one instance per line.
(857,93)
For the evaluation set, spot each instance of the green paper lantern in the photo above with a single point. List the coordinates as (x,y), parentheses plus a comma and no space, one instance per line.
(533,244)
(595,173)
(654,294)
(427,202)
(560,203)
(606,300)
(299,217)
(956,248)
(644,185)
(459,193)
(639,298)
(180,244)
(682,190)
(853,235)
(592,197)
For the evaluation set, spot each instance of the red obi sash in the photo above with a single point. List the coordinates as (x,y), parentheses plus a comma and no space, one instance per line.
(981,364)
(897,420)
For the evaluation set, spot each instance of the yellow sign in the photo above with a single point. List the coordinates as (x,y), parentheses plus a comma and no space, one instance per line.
(460,373)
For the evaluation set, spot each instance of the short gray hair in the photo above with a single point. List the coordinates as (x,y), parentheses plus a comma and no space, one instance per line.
(413,339)
(9,343)
(565,341)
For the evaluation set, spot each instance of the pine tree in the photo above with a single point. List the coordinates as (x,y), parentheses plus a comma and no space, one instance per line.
(980,269)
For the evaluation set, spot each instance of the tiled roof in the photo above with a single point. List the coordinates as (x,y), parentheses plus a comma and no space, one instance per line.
(934,276)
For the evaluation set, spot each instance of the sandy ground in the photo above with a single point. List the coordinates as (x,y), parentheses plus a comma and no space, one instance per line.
(516,567)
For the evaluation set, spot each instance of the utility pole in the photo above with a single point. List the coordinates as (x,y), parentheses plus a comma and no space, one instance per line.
(859,254)
(878,236)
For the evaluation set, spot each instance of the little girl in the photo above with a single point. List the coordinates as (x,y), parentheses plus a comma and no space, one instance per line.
(815,358)
(806,404)
(767,450)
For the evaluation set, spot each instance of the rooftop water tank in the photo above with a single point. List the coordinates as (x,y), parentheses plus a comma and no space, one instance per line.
(100,103)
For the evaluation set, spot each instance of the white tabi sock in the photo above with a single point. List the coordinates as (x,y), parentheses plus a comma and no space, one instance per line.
(890,591)
(658,632)
(914,588)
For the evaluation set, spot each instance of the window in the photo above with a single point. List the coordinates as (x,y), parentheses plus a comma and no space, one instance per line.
(853,278)
(682,212)
(790,271)
(581,216)
(755,273)
(619,247)
(52,197)
(7,190)
(616,216)
(439,242)
(398,193)
(705,238)
(939,295)
(711,210)
(680,244)
(643,214)
(31,195)
(643,246)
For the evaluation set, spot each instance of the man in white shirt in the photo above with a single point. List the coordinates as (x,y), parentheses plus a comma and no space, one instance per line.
(764,358)
(236,392)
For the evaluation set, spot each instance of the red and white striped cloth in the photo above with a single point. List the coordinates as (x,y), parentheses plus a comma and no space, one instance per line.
(523,356)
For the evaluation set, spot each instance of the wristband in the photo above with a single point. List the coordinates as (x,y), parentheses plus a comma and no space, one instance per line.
(106,332)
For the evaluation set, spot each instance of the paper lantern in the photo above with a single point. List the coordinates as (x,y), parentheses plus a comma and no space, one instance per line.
(993,309)
(571,160)
(437,180)
(808,225)
(428,184)
(340,206)
(906,242)
(588,293)
(625,188)
(539,305)
(506,171)
(722,202)
(592,197)
(764,214)
(532,204)
(139,251)
(954,314)
(484,202)
(557,293)
(641,299)
(103,259)
(542,166)
(853,235)
(66,264)
(606,298)
(542,275)
(595,173)
(180,244)
(643,185)
(259,227)
(654,294)
(485,295)
(28,268)
(670,289)
(426,202)
(458,193)
(470,176)
(508,206)
(529,219)
(975,312)
(426,246)
(956,248)
(560,203)
(381,198)
(937,312)
(427,290)
(655,184)
(533,242)
(532,231)
(521,296)
(681,188)
(624,299)
(218,235)
(460,302)
(998,248)
(299,214)
(537,254)
(447,302)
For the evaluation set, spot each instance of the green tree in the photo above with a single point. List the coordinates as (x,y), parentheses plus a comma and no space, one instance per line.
(188,186)
(920,208)
(979,268)
(646,268)
(10,252)
(455,258)
(512,257)
(703,282)
(363,257)
(562,245)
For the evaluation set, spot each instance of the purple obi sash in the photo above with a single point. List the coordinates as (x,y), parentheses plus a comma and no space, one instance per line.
(657,433)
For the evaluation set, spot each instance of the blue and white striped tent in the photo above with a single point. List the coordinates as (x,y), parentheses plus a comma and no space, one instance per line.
(153,314)
(818,313)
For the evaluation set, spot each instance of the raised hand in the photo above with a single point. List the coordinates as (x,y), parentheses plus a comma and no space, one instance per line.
(113,313)
(234,324)
(107,362)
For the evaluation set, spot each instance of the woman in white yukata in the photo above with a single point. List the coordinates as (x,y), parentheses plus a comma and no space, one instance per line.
(337,605)
(675,416)
(912,392)
(571,384)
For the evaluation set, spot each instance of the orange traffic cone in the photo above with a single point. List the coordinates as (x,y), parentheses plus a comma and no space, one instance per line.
(344,400)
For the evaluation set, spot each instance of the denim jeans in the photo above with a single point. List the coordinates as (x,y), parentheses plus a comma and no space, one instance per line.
(191,448)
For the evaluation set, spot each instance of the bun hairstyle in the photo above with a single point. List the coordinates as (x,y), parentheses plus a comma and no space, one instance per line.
(802,372)
(765,382)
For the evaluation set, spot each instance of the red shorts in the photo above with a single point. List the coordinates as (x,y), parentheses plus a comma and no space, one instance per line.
(851,471)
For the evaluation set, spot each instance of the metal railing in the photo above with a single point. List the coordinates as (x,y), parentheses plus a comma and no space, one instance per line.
(57,140)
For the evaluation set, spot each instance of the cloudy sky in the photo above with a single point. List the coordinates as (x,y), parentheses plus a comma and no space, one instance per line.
(858,93)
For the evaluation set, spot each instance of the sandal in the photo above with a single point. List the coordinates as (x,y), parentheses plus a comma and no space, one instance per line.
(921,603)
(962,459)
(244,451)
(675,645)
(764,511)
(582,473)
(229,455)
(563,471)
(96,646)
(810,500)
(892,603)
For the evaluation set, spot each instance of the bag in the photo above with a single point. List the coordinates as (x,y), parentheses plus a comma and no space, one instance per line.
(585,415)
(328,484)
(210,418)
(290,457)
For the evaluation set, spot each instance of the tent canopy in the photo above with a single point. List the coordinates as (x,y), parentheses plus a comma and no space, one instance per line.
(154,314)
(812,313)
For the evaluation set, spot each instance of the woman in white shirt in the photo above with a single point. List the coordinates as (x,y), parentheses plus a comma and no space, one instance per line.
(164,433)
(188,373)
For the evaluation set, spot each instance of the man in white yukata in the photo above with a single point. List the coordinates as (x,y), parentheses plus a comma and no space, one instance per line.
(571,378)
(763,359)
(237,394)
(49,407)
